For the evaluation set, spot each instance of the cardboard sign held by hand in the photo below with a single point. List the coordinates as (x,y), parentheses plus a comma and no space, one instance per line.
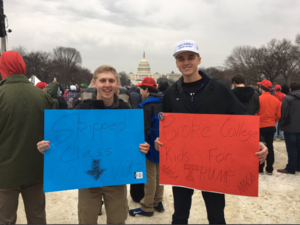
(213,153)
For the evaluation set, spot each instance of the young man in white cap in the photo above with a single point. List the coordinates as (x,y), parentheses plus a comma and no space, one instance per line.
(195,92)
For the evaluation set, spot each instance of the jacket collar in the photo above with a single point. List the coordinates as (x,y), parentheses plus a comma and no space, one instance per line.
(205,79)
(115,104)
(15,78)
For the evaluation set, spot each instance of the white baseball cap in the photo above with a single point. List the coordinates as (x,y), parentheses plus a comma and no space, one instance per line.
(186,46)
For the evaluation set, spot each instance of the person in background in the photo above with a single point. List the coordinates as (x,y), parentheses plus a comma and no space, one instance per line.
(70,97)
(21,127)
(285,89)
(77,98)
(125,96)
(163,86)
(269,113)
(290,111)
(278,94)
(60,90)
(88,92)
(153,191)
(135,96)
(41,85)
(246,95)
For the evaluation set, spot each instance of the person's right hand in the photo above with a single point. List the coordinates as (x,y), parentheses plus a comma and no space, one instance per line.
(157,144)
(43,146)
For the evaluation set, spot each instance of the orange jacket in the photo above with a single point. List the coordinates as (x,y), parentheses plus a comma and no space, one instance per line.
(270,110)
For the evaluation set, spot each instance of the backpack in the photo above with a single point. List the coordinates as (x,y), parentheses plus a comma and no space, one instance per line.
(70,103)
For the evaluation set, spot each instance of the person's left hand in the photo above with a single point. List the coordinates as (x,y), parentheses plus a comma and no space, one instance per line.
(263,152)
(144,148)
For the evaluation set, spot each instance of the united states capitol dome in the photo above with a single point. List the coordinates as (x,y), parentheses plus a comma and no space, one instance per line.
(144,68)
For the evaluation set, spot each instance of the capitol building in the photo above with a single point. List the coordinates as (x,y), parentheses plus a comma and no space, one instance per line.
(144,71)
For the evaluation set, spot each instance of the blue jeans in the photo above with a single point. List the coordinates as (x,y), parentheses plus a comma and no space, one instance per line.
(281,136)
(292,141)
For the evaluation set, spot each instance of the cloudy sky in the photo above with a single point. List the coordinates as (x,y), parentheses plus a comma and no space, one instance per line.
(117,32)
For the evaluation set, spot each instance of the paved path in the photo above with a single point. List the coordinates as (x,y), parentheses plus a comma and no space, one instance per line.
(278,202)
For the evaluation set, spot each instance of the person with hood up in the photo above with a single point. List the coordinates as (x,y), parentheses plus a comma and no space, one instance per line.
(21,127)
(152,105)
(278,94)
(136,97)
(246,95)
(290,124)
(70,97)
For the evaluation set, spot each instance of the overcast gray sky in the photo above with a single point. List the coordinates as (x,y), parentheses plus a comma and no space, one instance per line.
(117,32)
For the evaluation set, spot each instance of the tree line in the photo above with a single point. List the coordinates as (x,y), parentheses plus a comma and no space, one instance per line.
(277,61)
(63,63)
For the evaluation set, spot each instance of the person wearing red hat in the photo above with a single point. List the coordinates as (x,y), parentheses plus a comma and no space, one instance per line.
(41,85)
(270,113)
(21,127)
(151,106)
(278,94)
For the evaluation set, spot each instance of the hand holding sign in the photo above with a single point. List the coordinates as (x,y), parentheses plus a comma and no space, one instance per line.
(210,152)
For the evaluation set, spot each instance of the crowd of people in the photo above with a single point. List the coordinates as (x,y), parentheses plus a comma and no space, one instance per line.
(22,123)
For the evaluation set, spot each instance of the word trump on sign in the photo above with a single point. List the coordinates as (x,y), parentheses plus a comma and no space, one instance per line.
(93,148)
(213,153)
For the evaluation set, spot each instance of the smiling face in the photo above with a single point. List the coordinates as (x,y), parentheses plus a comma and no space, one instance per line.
(106,84)
(187,63)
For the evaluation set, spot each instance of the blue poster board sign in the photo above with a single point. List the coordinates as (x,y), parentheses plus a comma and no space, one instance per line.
(93,148)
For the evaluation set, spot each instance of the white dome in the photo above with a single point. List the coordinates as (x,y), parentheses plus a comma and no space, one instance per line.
(144,67)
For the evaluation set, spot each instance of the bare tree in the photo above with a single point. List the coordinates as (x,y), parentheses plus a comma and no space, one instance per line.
(21,50)
(277,61)
(124,79)
(39,64)
(297,41)
(69,60)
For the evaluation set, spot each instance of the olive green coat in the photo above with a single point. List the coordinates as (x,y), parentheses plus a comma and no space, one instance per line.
(21,127)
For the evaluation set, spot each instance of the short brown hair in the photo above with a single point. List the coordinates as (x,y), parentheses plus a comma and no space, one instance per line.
(103,69)
(238,79)
(295,86)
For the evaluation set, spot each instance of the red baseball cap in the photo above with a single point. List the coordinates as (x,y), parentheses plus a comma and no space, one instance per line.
(265,83)
(148,81)
(277,87)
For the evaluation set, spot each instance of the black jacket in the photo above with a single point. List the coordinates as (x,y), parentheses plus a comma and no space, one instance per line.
(136,97)
(249,98)
(98,104)
(291,108)
(215,98)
